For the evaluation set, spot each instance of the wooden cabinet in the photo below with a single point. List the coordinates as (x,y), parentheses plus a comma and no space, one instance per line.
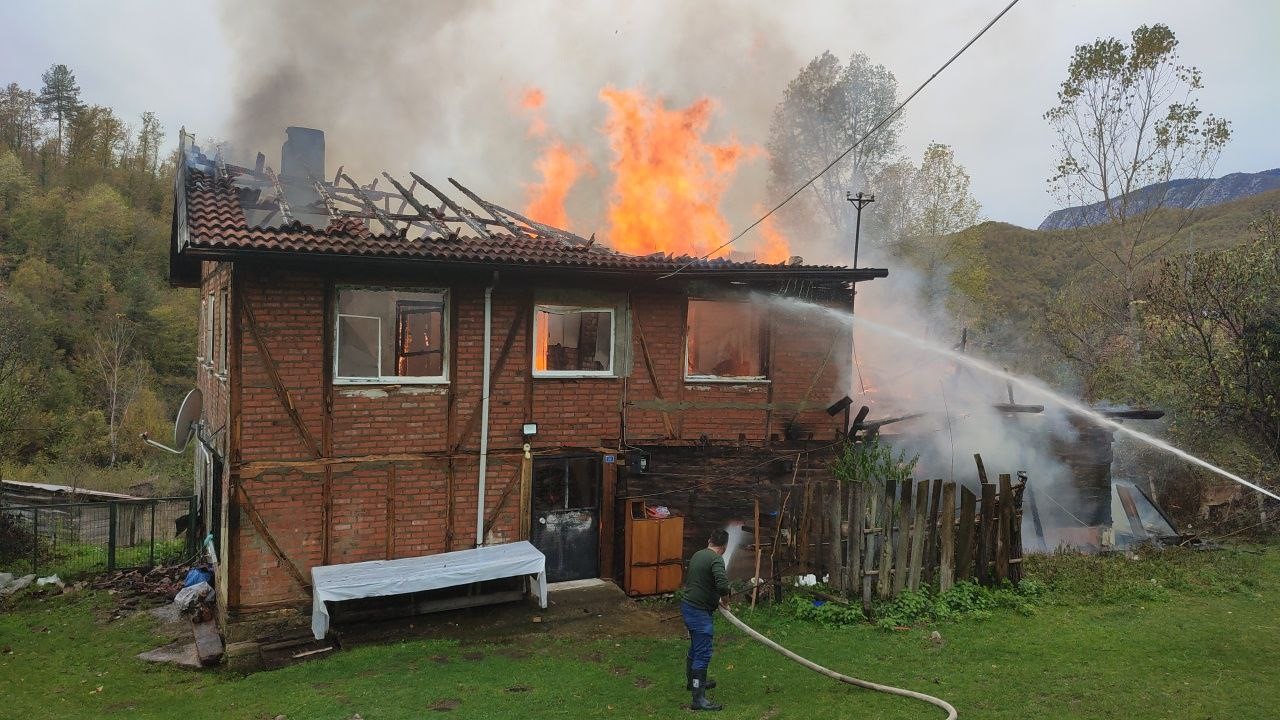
(654,552)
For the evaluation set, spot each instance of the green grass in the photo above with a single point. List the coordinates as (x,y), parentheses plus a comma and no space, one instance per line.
(1206,645)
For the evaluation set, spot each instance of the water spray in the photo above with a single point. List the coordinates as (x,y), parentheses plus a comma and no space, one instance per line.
(1036,387)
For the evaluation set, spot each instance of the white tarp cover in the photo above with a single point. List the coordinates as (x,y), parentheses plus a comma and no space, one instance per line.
(431,572)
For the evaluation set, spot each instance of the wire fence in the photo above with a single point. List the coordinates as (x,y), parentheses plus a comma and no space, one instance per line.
(72,539)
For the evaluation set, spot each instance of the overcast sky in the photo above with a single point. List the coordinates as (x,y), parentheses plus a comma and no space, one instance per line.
(191,62)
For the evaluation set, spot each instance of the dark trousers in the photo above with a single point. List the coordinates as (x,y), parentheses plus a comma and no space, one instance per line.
(701,630)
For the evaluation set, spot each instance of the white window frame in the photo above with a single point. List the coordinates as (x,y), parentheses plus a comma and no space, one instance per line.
(210,328)
(224,294)
(441,379)
(613,339)
(727,379)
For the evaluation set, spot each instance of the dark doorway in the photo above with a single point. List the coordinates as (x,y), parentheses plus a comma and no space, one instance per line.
(566,516)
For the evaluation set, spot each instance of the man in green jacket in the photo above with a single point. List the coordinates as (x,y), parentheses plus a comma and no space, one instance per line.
(706,586)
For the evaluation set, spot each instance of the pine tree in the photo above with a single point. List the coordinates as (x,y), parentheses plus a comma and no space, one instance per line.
(60,97)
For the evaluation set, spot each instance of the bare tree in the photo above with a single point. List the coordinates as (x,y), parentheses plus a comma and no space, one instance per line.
(120,374)
(1127,117)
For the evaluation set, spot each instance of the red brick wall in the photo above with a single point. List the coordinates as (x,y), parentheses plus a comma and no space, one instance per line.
(397,507)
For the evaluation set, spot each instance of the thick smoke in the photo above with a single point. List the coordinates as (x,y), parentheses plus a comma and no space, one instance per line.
(435,87)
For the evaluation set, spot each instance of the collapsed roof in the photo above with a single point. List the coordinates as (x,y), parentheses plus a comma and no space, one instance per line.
(224,211)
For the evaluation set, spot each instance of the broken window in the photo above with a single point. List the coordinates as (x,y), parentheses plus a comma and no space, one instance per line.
(390,335)
(569,341)
(725,340)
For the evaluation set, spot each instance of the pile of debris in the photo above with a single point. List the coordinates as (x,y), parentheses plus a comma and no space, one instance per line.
(142,588)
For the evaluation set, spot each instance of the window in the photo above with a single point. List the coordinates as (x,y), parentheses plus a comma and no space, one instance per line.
(210,307)
(390,336)
(572,341)
(224,308)
(725,340)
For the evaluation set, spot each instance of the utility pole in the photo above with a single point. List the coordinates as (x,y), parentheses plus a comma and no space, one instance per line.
(859,201)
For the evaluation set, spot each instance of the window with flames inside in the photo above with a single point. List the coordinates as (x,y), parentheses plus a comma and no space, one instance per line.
(573,341)
(390,336)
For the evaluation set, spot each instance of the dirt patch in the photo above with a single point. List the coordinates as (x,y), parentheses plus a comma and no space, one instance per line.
(516,653)
(368,673)
(620,671)
(595,657)
(642,682)
(473,656)
(519,689)
(445,705)
(441,659)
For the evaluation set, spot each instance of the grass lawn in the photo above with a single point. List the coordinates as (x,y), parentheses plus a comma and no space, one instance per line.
(1188,635)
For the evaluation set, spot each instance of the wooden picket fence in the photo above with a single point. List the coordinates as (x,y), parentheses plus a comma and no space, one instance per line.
(918,533)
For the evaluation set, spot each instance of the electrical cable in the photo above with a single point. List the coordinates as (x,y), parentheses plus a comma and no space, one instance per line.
(866,684)
(874,128)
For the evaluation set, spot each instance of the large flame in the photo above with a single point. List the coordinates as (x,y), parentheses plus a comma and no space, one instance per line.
(667,179)
(559,166)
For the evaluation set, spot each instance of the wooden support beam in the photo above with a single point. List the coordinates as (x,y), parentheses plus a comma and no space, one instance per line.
(370,204)
(391,512)
(856,518)
(512,484)
(273,374)
(501,362)
(653,375)
(269,539)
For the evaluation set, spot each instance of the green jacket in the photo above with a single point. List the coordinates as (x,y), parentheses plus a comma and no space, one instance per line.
(706,581)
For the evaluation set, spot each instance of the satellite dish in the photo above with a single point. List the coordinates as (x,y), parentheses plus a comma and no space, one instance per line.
(188,415)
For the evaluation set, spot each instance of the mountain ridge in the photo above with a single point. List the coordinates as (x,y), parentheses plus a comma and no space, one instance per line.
(1182,193)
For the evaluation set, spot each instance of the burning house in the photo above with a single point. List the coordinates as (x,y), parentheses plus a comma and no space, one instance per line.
(392,371)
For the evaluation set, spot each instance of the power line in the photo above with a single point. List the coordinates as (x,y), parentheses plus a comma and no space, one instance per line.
(883,121)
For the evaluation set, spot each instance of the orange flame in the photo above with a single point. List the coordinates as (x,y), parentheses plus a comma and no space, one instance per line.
(774,246)
(560,166)
(668,181)
(532,101)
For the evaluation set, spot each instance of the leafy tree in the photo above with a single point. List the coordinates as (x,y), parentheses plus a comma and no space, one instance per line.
(826,108)
(923,211)
(20,114)
(59,97)
(1214,325)
(1127,116)
(150,135)
(119,376)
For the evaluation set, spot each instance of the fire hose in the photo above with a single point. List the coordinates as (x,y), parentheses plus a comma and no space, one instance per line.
(943,704)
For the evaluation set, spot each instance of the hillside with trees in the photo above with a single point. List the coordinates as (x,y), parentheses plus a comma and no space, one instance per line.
(94,345)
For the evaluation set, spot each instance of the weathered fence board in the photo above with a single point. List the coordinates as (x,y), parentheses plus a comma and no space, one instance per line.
(1005,515)
(986,523)
(965,540)
(947,544)
(919,533)
(931,547)
(885,581)
(902,553)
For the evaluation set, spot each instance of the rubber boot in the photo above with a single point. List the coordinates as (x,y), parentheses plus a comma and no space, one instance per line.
(700,701)
(688,675)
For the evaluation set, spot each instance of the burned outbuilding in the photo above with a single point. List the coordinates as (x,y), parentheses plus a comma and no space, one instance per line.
(390,370)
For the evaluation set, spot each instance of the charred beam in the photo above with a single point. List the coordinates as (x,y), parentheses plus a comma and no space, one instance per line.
(281,200)
(428,215)
(457,209)
(372,206)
